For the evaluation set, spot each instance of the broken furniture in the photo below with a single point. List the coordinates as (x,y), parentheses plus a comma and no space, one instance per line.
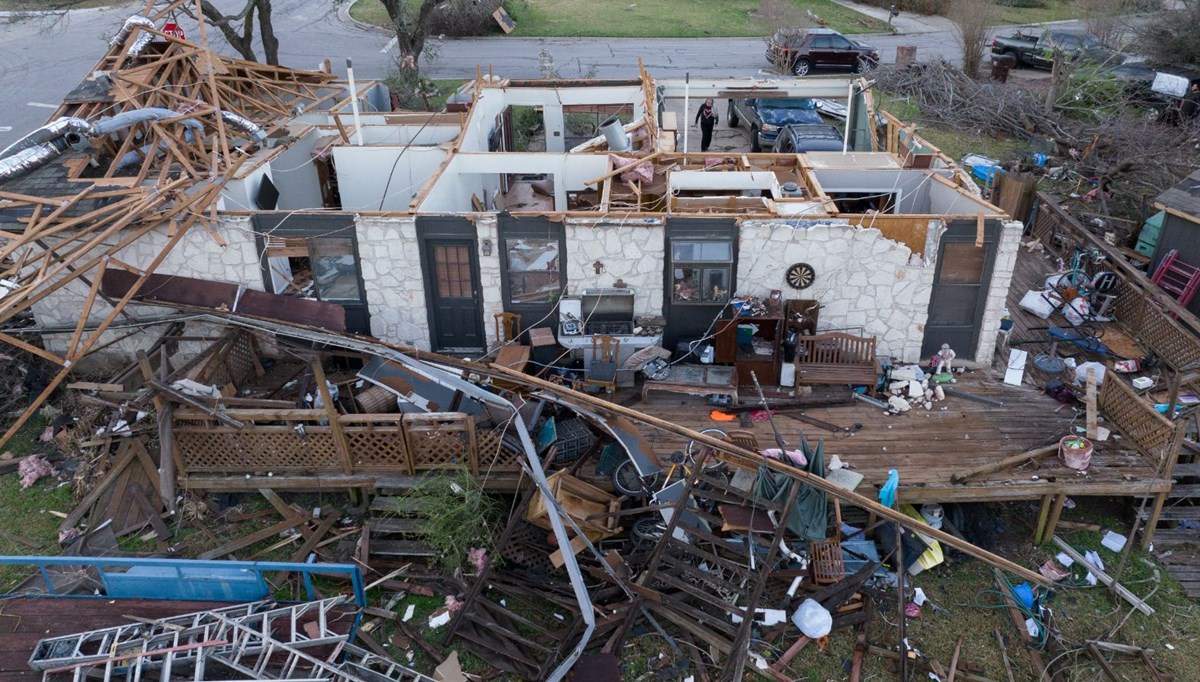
(580,501)
(1177,278)
(602,370)
(508,327)
(752,344)
(696,379)
(837,358)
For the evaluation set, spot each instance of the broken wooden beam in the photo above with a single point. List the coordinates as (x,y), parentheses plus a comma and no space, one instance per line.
(189,400)
(1006,463)
(255,537)
(1105,578)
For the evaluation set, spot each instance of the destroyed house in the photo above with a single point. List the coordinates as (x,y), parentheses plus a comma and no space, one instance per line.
(425,227)
(288,276)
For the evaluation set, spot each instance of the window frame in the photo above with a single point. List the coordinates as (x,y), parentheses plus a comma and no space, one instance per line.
(704,267)
(509,232)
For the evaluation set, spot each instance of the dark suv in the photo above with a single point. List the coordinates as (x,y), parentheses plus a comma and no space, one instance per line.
(804,51)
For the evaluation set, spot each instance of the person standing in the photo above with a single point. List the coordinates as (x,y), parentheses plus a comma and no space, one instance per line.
(706,118)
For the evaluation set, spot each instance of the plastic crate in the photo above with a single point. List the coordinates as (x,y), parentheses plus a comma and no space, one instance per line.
(574,439)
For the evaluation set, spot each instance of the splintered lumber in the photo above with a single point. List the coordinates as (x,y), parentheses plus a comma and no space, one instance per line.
(894,656)
(1003,654)
(1006,463)
(125,457)
(257,536)
(1105,578)
(1099,657)
(1035,658)
(740,456)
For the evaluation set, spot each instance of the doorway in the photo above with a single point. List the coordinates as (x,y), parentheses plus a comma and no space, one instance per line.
(452,291)
(960,288)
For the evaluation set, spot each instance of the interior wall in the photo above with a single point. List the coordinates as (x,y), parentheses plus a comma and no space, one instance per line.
(863,279)
(912,185)
(427,135)
(295,176)
(947,200)
(364,173)
(238,194)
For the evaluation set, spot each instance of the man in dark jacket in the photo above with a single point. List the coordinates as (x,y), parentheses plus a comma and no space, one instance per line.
(706,118)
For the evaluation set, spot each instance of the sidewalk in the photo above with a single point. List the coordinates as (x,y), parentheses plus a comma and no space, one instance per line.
(905,24)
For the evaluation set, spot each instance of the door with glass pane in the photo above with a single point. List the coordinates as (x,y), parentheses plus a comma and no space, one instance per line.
(532,261)
(960,288)
(452,287)
(700,268)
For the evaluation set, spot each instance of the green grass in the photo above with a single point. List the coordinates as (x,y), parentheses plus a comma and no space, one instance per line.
(1054,10)
(649,18)
(27,512)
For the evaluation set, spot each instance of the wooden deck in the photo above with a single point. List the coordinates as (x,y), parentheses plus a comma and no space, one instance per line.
(927,448)
(26,620)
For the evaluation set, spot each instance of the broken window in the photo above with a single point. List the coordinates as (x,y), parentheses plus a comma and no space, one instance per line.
(701,271)
(534,272)
(334,268)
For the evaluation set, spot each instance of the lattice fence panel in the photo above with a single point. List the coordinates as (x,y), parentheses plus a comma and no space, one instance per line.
(1168,339)
(378,447)
(234,365)
(1136,419)
(495,454)
(1054,233)
(255,449)
(441,440)
(1130,306)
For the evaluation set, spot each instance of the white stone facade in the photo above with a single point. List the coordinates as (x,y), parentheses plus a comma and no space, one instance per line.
(1002,272)
(390,262)
(198,255)
(629,252)
(863,279)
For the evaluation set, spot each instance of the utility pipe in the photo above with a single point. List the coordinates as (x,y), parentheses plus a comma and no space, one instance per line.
(358,139)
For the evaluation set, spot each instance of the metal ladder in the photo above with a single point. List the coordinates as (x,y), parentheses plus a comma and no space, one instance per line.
(251,641)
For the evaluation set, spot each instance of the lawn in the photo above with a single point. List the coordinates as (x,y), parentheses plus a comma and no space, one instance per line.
(650,18)
(1053,10)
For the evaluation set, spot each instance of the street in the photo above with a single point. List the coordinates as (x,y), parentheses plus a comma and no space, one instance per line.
(42,59)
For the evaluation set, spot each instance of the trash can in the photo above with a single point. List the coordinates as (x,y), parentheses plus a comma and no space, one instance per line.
(1001,65)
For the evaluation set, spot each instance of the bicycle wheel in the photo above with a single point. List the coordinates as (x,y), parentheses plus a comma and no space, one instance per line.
(627,481)
(693,448)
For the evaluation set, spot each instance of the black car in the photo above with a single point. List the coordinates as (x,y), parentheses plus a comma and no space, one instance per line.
(801,138)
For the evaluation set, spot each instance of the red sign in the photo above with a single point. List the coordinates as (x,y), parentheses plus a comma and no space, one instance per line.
(173,29)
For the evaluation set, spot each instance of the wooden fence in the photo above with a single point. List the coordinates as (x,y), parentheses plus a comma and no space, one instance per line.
(1150,432)
(296,441)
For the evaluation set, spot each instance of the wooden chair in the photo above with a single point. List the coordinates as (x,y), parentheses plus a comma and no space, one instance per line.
(508,327)
(602,371)
(744,439)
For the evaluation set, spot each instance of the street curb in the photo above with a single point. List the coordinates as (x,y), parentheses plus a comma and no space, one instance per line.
(17,14)
(344,15)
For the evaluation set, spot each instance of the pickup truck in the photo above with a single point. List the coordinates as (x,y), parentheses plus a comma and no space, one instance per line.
(1039,51)
(766,117)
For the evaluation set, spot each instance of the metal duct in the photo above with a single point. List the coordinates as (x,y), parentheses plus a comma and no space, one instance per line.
(75,129)
(614,132)
(132,117)
(28,159)
(127,28)
(245,125)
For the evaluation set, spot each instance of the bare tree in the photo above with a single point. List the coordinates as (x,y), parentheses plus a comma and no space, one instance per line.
(971,19)
(238,28)
(1106,20)
(412,25)
(1170,36)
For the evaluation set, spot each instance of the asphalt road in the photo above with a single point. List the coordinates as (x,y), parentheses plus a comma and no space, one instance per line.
(42,59)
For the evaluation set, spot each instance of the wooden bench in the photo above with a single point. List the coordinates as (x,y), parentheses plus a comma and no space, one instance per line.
(836,358)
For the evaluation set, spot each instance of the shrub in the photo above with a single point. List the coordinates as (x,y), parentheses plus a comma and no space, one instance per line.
(456,516)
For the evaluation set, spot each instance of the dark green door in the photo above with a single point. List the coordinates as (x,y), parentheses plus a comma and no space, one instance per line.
(960,289)
(452,290)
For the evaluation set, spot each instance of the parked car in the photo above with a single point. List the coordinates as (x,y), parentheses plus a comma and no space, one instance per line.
(816,49)
(808,137)
(1158,89)
(1038,51)
(766,117)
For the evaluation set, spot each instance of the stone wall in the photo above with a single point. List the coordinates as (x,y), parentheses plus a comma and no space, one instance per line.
(390,260)
(1002,272)
(489,276)
(863,279)
(197,255)
(632,252)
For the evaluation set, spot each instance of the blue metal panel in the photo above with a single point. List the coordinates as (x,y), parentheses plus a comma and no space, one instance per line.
(194,584)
